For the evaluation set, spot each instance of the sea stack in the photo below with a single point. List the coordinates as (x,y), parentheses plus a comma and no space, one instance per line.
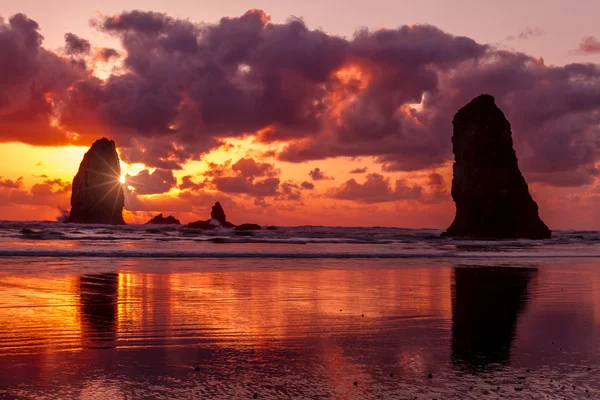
(217,219)
(492,198)
(160,220)
(97,196)
(218,214)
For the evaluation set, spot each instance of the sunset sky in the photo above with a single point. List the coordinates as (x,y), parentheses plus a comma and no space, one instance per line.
(293,113)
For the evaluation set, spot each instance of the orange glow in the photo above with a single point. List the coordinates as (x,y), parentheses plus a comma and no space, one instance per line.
(352,79)
(408,112)
(353,73)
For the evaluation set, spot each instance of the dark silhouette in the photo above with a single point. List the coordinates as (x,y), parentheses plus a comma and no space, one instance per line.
(247,227)
(160,220)
(97,196)
(486,302)
(492,198)
(98,307)
(218,219)
(218,214)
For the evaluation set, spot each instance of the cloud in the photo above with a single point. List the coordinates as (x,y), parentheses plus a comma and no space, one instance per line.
(106,54)
(249,178)
(29,78)
(51,193)
(307,185)
(376,189)
(76,46)
(185,88)
(59,184)
(359,170)
(248,168)
(527,33)
(240,185)
(10,184)
(290,191)
(435,179)
(589,45)
(188,184)
(318,175)
(146,182)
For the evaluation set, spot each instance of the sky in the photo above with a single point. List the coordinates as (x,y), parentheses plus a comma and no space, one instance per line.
(294,113)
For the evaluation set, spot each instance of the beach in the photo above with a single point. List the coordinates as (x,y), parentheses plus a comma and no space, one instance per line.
(321,317)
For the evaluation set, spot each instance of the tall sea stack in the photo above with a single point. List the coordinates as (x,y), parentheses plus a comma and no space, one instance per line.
(492,198)
(97,196)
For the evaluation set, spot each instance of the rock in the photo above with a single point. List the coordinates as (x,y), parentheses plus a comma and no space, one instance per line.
(492,198)
(218,214)
(218,219)
(204,225)
(247,227)
(97,195)
(160,220)
(271,228)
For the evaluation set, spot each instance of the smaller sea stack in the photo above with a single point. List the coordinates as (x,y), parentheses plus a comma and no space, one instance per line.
(217,219)
(160,220)
(492,198)
(97,196)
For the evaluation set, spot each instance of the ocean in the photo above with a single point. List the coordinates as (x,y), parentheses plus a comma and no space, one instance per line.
(162,312)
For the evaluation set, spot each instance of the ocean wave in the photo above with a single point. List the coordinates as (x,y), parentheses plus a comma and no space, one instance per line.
(111,253)
(46,239)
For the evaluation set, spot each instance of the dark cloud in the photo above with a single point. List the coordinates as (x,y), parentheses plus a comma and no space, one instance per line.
(31,81)
(290,191)
(589,45)
(376,189)
(307,185)
(59,184)
(185,88)
(107,53)
(146,182)
(51,193)
(240,185)
(359,170)
(250,178)
(527,33)
(10,184)
(435,179)
(244,177)
(318,175)
(248,168)
(188,184)
(76,46)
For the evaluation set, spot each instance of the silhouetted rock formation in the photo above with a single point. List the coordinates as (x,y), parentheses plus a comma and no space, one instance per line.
(248,227)
(492,198)
(486,303)
(97,196)
(218,214)
(218,219)
(160,220)
(204,225)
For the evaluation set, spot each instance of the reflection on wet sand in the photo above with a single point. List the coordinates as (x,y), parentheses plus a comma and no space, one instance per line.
(98,309)
(286,330)
(486,303)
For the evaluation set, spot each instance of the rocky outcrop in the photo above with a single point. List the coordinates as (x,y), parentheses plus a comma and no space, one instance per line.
(97,195)
(204,225)
(217,219)
(217,214)
(492,198)
(160,220)
(247,227)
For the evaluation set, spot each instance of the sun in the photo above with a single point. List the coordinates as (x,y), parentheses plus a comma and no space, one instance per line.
(122,179)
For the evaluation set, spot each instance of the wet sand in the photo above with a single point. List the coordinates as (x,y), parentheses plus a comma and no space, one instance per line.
(297,329)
